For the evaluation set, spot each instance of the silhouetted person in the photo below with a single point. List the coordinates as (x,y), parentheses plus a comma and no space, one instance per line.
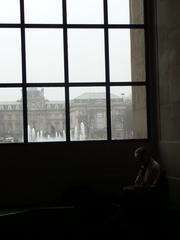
(143,191)
(149,171)
(146,199)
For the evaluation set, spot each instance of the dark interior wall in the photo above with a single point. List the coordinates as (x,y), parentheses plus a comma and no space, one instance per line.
(169,91)
(40,174)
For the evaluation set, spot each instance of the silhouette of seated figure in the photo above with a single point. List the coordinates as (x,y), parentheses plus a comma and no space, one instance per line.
(146,190)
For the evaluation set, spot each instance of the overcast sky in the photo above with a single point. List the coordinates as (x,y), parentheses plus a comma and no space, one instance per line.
(50,11)
(45,46)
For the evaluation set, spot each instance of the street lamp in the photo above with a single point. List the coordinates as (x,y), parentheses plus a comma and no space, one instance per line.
(122,94)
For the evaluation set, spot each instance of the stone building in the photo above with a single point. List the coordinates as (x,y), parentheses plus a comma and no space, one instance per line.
(46,119)
(11,121)
(89,109)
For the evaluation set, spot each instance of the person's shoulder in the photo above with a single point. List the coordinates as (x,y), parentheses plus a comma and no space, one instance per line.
(155,164)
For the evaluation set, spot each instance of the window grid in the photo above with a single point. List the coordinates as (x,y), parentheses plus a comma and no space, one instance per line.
(108,96)
(24,95)
(107,84)
(66,69)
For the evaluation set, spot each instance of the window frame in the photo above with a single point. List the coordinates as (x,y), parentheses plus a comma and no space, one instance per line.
(66,84)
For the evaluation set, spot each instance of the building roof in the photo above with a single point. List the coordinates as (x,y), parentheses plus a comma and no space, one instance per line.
(91,95)
(84,96)
(11,103)
(54,102)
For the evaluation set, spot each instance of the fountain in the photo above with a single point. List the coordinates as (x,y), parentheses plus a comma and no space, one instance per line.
(29,133)
(64,135)
(33,135)
(82,131)
(75,133)
(39,136)
(56,135)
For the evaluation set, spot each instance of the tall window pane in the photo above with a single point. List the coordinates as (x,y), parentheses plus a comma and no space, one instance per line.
(127,55)
(11,119)
(128,112)
(10,56)
(88,113)
(46,114)
(9,11)
(85,11)
(44,55)
(43,11)
(86,55)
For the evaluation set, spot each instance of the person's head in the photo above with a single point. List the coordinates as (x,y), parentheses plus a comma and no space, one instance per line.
(142,155)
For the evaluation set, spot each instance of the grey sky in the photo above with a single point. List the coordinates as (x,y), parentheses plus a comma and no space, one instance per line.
(120,55)
(43,11)
(85,11)
(118,11)
(86,55)
(81,11)
(45,55)
(45,46)
(9,11)
(54,93)
(10,94)
(10,55)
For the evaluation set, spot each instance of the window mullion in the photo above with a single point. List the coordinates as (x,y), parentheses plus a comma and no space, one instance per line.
(108,99)
(66,71)
(23,52)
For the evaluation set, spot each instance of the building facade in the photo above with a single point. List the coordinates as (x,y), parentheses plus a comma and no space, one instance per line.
(47,121)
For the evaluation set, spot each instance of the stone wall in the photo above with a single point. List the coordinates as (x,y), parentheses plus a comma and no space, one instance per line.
(169,91)
(138,69)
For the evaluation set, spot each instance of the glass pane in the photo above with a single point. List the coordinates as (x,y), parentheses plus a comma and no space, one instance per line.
(126,11)
(9,11)
(46,114)
(85,11)
(44,55)
(10,56)
(11,115)
(127,55)
(128,112)
(43,11)
(88,113)
(86,55)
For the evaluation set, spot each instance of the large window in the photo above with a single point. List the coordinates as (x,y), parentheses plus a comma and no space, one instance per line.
(72,70)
